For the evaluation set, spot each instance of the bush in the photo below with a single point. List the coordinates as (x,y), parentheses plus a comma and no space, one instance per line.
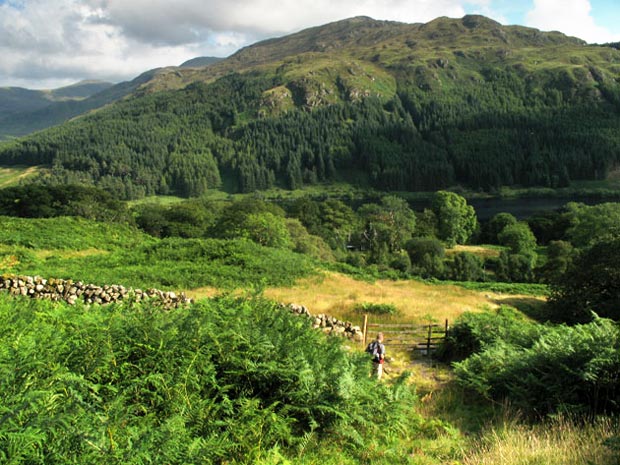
(518,238)
(473,332)
(176,263)
(497,224)
(41,201)
(515,268)
(466,267)
(69,233)
(565,369)
(590,284)
(401,262)
(426,254)
(377,309)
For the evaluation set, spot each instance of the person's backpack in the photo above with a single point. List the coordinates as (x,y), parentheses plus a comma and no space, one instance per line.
(374,349)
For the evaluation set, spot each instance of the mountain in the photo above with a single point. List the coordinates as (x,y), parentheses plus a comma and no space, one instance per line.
(16,100)
(392,105)
(200,62)
(24,111)
(80,90)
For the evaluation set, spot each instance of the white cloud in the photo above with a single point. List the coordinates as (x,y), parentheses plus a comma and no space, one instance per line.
(183,20)
(47,43)
(572,17)
(52,42)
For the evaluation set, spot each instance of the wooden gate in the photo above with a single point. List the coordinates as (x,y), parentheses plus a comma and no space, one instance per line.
(415,337)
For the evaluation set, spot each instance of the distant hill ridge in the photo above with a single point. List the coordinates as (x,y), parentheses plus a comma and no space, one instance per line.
(199,62)
(23,111)
(15,100)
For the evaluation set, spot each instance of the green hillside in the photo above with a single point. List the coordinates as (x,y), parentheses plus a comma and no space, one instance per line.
(199,62)
(407,107)
(16,100)
(25,111)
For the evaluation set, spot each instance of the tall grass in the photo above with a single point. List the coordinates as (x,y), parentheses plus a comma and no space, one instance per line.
(559,441)
(495,434)
(338,295)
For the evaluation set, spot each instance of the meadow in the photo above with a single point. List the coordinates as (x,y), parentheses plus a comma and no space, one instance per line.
(142,390)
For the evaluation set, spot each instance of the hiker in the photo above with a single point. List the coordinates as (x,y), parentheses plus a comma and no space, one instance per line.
(377,350)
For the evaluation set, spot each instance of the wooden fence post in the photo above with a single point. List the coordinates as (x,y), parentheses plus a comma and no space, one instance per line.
(428,340)
(365,329)
(447,329)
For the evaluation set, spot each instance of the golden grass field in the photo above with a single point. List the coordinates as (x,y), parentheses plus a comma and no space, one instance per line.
(337,295)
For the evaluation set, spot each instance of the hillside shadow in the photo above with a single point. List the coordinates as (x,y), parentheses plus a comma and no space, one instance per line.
(530,306)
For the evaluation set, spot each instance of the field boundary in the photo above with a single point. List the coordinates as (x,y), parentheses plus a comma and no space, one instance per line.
(424,339)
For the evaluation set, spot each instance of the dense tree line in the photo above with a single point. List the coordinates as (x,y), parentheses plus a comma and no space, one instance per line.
(575,250)
(40,201)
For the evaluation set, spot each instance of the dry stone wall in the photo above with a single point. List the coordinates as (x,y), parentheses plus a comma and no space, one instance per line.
(71,292)
(329,324)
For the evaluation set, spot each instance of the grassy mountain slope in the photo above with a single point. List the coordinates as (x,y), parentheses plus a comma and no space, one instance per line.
(199,62)
(471,42)
(409,106)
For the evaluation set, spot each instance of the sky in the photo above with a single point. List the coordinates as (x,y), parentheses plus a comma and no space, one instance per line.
(46,44)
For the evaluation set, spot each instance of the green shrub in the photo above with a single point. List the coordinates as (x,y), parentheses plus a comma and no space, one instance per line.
(466,267)
(516,268)
(68,233)
(590,284)
(506,288)
(377,309)
(473,332)
(176,263)
(564,369)
(426,254)
(42,201)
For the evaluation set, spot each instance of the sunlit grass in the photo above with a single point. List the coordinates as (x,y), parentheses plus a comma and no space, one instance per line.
(487,434)
(555,442)
(158,199)
(43,254)
(482,251)
(338,295)
(11,176)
